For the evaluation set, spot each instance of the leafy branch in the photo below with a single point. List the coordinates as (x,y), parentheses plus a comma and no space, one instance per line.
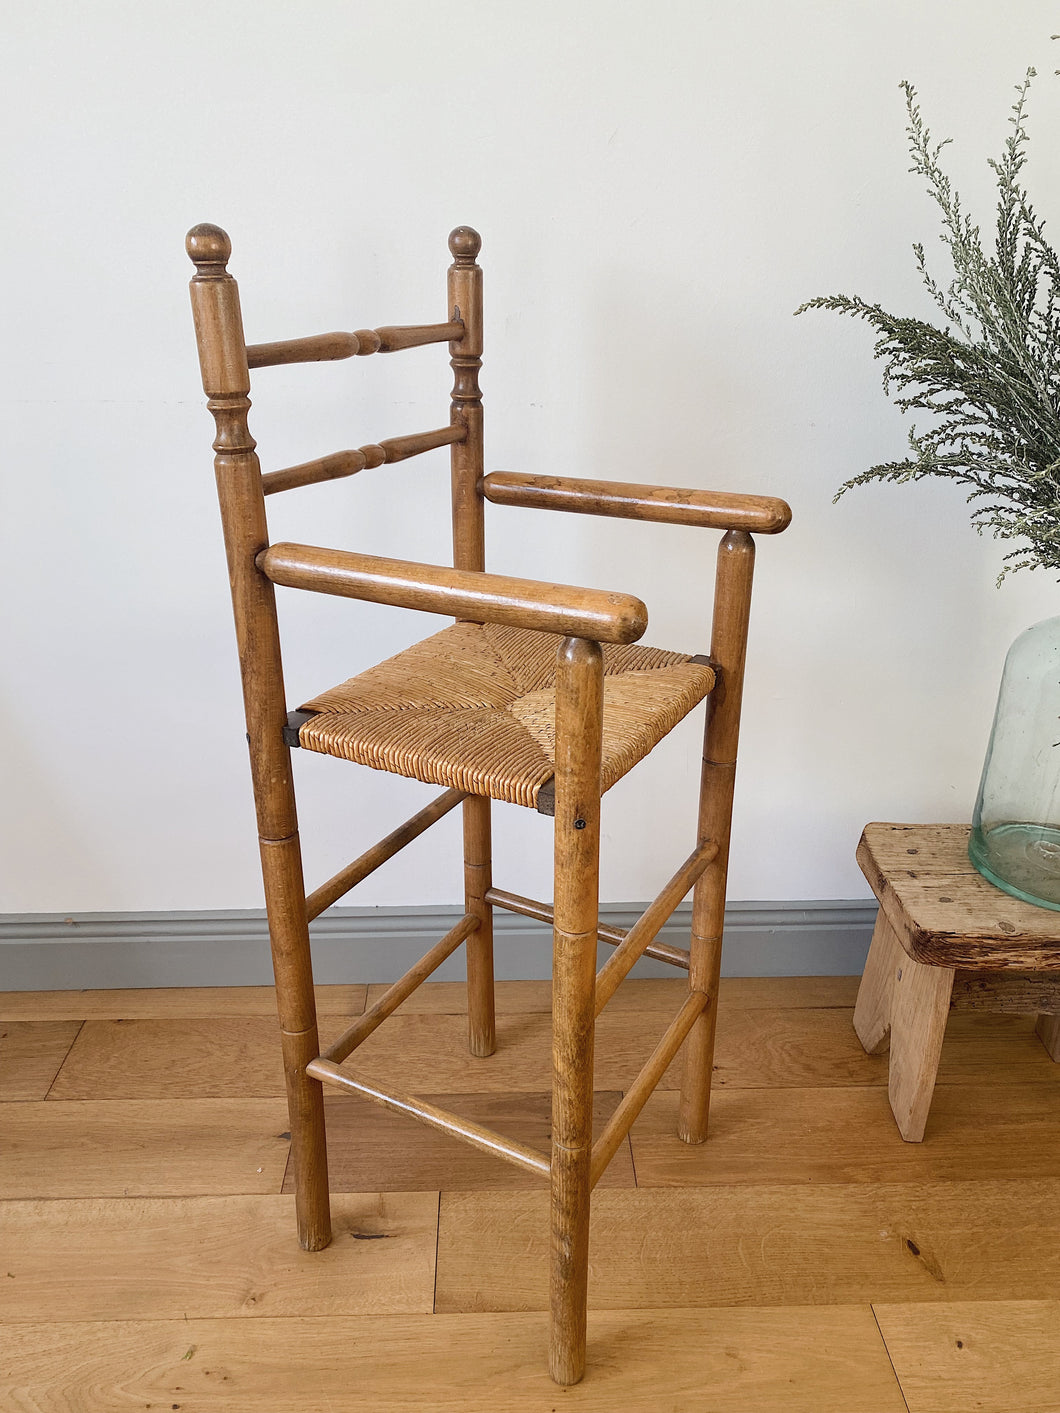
(990,375)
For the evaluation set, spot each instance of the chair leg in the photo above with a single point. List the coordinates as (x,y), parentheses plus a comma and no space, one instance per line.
(481,1022)
(732,608)
(704,974)
(920,1006)
(579,719)
(281,865)
(872,1011)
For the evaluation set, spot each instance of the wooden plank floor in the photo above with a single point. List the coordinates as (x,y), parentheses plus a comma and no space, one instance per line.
(804,1258)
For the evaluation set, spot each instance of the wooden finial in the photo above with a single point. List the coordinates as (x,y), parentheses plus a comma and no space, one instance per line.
(464,245)
(208,245)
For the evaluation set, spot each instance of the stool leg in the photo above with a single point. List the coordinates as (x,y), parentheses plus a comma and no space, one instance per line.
(920,1006)
(579,722)
(481,1023)
(872,1011)
(281,866)
(728,644)
(1047,1029)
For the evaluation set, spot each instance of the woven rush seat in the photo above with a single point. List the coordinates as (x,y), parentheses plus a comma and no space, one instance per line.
(473,707)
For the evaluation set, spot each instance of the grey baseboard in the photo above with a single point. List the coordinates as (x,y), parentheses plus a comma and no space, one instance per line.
(50,951)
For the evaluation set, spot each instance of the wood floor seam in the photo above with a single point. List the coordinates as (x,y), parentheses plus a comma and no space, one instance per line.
(897,1380)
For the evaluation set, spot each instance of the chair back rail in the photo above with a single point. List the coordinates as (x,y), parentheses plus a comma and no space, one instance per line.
(348,463)
(322,348)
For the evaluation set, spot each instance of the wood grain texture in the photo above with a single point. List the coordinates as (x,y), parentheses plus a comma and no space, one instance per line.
(943,911)
(144,1148)
(872,1011)
(434,1116)
(31,1053)
(671,505)
(920,1008)
(340,464)
(990,1356)
(371,1150)
(159,1003)
(847,1135)
(1047,1029)
(1011,991)
(579,731)
(757,1361)
(320,348)
(194,1058)
(608,616)
(464,296)
(478,873)
(211,1257)
(734,574)
(762,1245)
(424,1051)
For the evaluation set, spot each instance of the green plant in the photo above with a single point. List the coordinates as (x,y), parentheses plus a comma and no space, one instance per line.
(990,376)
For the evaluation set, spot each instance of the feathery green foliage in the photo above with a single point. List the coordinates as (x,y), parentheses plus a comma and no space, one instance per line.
(990,375)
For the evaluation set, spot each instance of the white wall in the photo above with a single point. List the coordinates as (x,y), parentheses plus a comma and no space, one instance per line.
(657,186)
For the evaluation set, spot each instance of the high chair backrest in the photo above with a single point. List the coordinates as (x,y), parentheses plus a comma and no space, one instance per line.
(226,361)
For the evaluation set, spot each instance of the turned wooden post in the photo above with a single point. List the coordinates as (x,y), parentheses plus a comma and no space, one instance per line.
(732,607)
(579,728)
(226,382)
(465,306)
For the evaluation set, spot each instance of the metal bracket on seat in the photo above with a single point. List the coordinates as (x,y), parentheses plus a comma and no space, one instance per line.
(295,721)
(546,797)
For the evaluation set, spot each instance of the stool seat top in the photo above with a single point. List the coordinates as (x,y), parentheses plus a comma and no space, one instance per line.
(943,911)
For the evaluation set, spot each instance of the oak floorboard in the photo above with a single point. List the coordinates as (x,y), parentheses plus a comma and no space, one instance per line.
(31,1053)
(804,1047)
(682,1361)
(143,1148)
(185,1058)
(990,1356)
(157,1003)
(761,1245)
(154,1258)
(373,1150)
(848,1135)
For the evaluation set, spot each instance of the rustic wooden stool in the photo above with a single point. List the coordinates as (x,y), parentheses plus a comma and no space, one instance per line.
(945,939)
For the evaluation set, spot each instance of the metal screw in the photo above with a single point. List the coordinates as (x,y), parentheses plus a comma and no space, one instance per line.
(579,824)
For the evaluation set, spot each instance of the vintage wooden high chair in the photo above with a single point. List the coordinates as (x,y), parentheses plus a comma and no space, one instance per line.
(534,696)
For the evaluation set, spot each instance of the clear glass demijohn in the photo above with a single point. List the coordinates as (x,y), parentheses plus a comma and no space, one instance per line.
(1015,839)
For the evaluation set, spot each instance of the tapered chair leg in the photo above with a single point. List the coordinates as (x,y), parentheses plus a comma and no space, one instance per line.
(872,1010)
(732,608)
(1047,1029)
(920,1007)
(481,1022)
(281,863)
(579,723)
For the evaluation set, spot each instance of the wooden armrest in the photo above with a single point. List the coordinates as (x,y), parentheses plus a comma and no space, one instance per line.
(481,598)
(712,510)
